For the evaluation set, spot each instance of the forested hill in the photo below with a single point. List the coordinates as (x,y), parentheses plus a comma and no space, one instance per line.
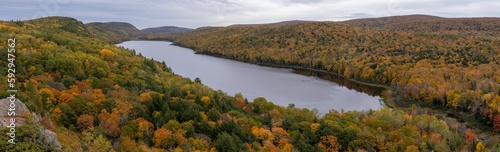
(99,97)
(67,24)
(113,32)
(165,29)
(439,69)
(486,26)
(273,24)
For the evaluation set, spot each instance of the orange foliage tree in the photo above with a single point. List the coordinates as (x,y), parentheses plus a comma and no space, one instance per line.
(85,121)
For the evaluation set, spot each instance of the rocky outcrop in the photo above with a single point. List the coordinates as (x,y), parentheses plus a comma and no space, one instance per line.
(18,110)
(9,110)
(50,137)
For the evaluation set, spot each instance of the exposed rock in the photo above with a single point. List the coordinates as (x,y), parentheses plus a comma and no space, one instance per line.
(14,109)
(51,137)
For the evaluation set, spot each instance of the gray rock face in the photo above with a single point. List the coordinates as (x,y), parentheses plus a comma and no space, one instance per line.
(5,105)
(51,137)
(10,110)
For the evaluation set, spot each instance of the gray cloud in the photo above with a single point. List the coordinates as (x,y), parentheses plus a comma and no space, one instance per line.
(196,13)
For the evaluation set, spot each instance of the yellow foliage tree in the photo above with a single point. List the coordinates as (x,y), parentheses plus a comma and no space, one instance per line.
(411,148)
(479,147)
(145,97)
(315,126)
(56,114)
(287,148)
(495,103)
(66,97)
(47,95)
(97,96)
(160,137)
(205,100)
(107,54)
(262,133)
(453,98)
(329,144)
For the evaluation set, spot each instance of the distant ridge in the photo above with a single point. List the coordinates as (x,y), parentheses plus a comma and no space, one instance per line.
(381,21)
(165,29)
(483,26)
(292,22)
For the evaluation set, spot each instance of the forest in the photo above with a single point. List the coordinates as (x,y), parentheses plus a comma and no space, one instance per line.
(99,97)
(445,63)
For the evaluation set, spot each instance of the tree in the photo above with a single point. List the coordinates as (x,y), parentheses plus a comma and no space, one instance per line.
(263,134)
(161,140)
(128,145)
(145,97)
(315,126)
(69,141)
(281,137)
(101,144)
(470,136)
(124,109)
(479,147)
(287,148)
(47,95)
(56,114)
(496,123)
(453,98)
(205,100)
(66,97)
(225,143)
(107,54)
(329,144)
(197,80)
(173,125)
(109,122)
(98,97)
(85,121)
(411,148)
(144,129)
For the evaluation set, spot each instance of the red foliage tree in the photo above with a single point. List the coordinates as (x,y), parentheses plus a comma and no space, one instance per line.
(470,136)
(496,123)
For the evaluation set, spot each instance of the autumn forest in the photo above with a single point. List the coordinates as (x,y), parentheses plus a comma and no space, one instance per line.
(443,87)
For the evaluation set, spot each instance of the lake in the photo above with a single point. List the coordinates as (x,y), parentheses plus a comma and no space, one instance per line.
(281,86)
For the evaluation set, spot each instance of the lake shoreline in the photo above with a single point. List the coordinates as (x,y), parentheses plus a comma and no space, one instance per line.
(280,85)
(285,66)
(386,88)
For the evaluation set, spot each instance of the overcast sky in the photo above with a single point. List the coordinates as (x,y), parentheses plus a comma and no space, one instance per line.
(197,13)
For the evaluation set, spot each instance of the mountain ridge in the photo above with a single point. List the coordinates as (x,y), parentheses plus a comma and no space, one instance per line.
(165,29)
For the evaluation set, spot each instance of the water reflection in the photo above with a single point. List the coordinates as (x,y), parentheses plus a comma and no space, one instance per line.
(368,89)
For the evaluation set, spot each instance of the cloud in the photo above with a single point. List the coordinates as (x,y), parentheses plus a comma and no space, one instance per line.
(196,13)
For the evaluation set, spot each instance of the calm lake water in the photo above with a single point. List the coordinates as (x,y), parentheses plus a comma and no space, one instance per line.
(282,86)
